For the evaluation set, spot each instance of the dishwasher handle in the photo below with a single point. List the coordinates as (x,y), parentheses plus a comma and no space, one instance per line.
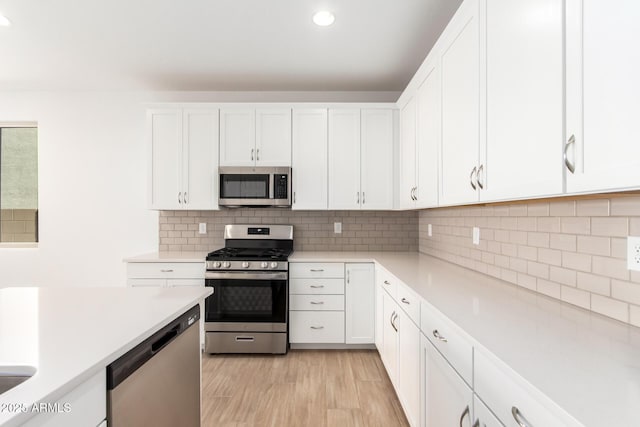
(165,339)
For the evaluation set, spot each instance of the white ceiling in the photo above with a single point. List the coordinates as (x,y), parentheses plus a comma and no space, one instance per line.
(216,45)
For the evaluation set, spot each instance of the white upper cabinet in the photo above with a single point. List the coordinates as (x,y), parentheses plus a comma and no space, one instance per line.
(344,159)
(250,137)
(524,75)
(460,71)
(407,190)
(273,137)
(428,138)
(184,158)
(376,159)
(602,95)
(360,159)
(309,180)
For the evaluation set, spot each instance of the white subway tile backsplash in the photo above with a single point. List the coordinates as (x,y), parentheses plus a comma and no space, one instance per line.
(609,307)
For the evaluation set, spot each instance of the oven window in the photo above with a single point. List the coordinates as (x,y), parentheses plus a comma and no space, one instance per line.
(244,186)
(246,301)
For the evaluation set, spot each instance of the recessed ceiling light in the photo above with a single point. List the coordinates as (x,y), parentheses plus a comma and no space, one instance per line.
(324,18)
(4,21)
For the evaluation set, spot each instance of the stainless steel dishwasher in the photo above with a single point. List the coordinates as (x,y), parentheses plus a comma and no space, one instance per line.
(157,383)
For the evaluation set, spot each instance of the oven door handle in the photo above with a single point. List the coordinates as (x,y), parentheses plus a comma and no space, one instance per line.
(241,275)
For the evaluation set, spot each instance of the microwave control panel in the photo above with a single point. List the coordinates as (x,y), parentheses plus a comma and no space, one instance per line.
(281,184)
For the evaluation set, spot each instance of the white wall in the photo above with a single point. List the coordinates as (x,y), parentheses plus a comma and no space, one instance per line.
(92,180)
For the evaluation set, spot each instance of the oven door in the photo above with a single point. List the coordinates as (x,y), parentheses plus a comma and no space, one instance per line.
(256,299)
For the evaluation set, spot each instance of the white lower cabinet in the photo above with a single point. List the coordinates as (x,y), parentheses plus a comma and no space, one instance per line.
(359,303)
(390,338)
(409,367)
(316,327)
(447,400)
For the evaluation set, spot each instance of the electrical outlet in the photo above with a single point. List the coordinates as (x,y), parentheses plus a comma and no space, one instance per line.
(429,230)
(337,227)
(202,228)
(476,235)
(633,253)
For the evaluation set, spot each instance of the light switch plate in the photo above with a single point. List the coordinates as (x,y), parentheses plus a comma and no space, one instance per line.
(202,228)
(337,227)
(476,235)
(633,253)
(429,230)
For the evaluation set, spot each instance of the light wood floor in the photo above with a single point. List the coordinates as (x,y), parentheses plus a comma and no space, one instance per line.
(303,388)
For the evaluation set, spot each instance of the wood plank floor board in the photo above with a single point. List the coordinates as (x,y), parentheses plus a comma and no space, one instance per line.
(304,388)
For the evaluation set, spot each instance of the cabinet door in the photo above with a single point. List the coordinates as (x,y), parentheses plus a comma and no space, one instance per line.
(165,140)
(344,159)
(428,139)
(447,398)
(482,415)
(379,315)
(390,337)
(460,71)
(603,64)
(524,99)
(359,303)
(409,368)
(273,137)
(407,180)
(376,159)
(309,159)
(200,159)
(237,137)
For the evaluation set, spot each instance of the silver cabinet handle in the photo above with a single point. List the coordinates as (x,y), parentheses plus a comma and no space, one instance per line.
(473,171)
(477,423)
(316,270)
(294,197)
(522,421)
(180,197)
(405,301)
(363,198)
(184,197)
(166,271)
(386,282)
(316,302)
(415,193)
(438,336)
(464,414)
(317,327)
(258,154)
(241,338)
(480,171)
(393,325)
(316,286)
(348,277)
(252,150)
(357,197)
(568,164)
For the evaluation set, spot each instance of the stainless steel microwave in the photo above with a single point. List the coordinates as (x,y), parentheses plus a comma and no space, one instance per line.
(259,186)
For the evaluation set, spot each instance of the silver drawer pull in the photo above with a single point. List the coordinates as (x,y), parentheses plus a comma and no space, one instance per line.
(386,282)
(317,327)
(317,270)
(241,338)
(477,423)
(405,301)
(317,302)
(316,286)
(166,271)
(438,336)
(522,421)
(464,414)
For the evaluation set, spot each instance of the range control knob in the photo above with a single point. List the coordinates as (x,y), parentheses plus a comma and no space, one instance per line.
(216,264)
(226,264)
(274,265)
(245,264)
(264,264)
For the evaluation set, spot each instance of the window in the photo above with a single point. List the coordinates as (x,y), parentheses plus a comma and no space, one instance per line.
(18,183)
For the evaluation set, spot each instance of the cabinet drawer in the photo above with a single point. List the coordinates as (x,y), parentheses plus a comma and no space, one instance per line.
(165,270)
(316,327)
(505,393)
(316,286)
(387,281)
(452,342)
(316,302)
(316,270)
(409,301)
(184,282)
(158,283)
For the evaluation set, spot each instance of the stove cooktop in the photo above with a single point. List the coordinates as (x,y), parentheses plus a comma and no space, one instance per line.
(249,254)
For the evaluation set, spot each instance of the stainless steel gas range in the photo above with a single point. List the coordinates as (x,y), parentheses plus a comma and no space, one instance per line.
(248,310)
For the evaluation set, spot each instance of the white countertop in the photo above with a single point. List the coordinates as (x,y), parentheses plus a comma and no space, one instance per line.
(169,257)
(587,363)
(70,334)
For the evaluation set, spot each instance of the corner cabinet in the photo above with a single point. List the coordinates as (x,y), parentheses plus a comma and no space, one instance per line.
(184,158)
(255,137)
(360,158)
(309,159)
(601,147)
